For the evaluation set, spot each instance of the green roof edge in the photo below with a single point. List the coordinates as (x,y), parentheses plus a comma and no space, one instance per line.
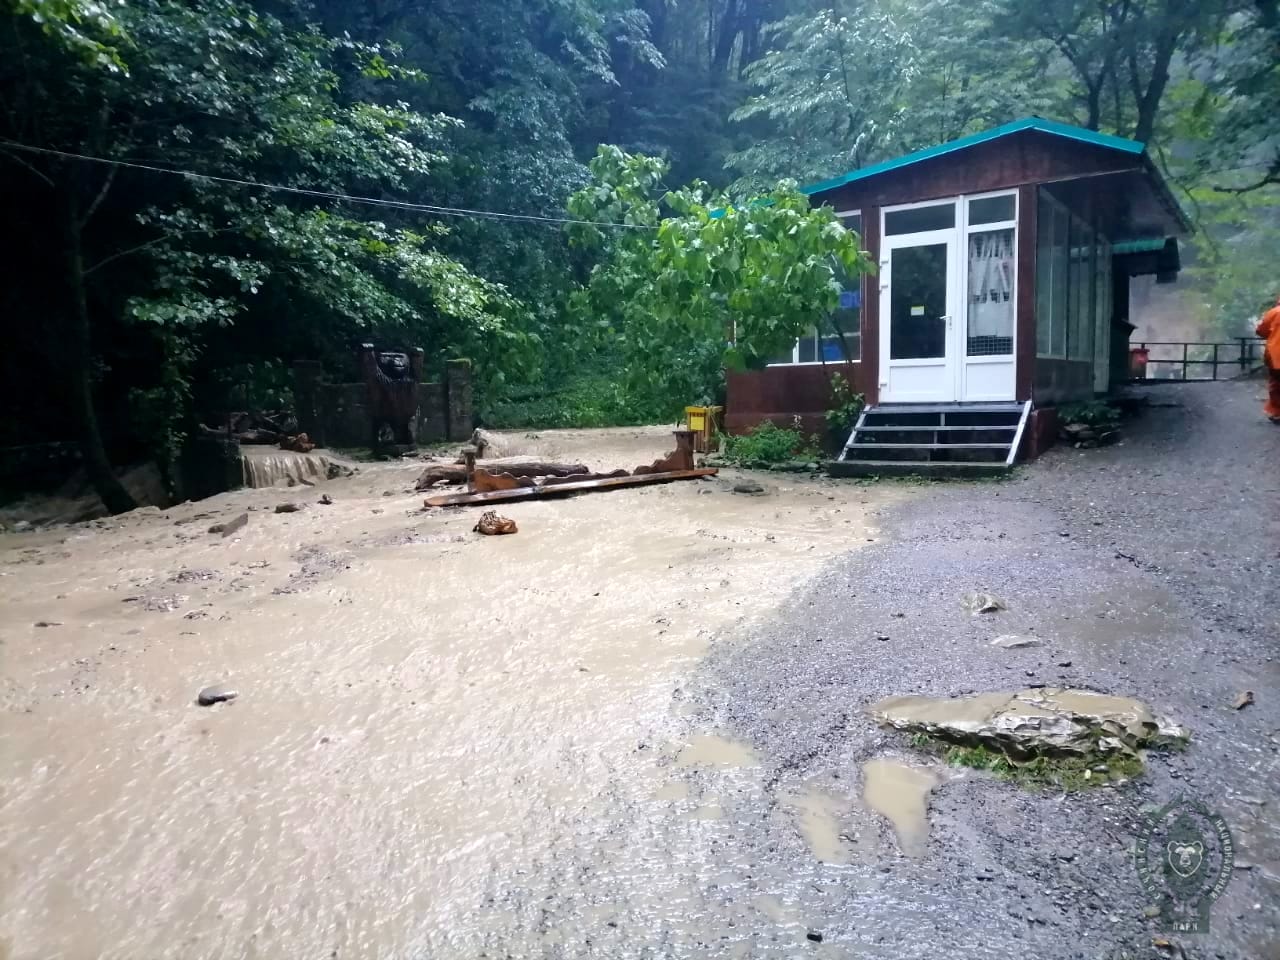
(1017,126)
(1138,245)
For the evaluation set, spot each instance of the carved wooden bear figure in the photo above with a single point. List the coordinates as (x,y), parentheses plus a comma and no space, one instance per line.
(392,381)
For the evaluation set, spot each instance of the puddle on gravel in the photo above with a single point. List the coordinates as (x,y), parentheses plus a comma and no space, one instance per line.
(707,811)
(900,793)
(819,814)
(711,750)
(675,790)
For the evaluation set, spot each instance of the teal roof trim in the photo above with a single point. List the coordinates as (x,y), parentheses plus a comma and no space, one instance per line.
(1141,245)
(942,149)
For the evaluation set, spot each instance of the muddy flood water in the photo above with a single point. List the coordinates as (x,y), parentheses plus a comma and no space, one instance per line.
(427,720)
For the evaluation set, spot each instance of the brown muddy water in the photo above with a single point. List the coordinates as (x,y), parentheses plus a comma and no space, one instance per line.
(423,711)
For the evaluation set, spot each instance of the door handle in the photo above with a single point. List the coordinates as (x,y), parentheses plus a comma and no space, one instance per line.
(948,319)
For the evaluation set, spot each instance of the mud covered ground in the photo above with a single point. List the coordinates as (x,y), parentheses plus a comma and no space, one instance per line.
(434,729)
(636,728)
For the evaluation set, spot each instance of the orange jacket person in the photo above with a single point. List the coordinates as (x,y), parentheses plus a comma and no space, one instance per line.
(1269,331)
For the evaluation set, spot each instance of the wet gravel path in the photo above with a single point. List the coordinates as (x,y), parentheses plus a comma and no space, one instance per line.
(1150,569)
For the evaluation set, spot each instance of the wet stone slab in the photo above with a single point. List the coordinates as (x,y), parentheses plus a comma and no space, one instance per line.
(1034,721)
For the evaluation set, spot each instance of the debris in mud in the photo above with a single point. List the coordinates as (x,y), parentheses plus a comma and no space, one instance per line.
(48,623)
(1035,722)
(453,473)
(977,603)
(1010,641)
(1243,700)
(813,936)
(484,485)
(326,500)
(288,507)
(493,525)
(231,526)
(299,444)
(192,519)
(158,602)
(336,470)
(749,487)
(316,564)
(218,693)
(193,575)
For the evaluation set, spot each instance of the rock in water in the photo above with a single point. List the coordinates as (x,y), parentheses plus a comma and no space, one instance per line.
(1036,721)
(231,526)
(218,693)
(748,487)
(288,507)
(977,603)
(491,524)
(1012,640)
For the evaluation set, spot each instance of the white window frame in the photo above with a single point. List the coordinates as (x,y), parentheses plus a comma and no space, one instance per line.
(795,360)
(969,229)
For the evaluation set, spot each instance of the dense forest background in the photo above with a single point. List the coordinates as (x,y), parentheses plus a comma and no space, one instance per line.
(136,299)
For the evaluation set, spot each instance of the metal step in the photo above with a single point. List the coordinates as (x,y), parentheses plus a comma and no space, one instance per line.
(938,428)
(870,422)
(901,408)
(916,468)
(927,446)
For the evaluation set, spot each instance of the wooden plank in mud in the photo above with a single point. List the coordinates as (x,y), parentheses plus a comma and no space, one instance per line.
(560,489)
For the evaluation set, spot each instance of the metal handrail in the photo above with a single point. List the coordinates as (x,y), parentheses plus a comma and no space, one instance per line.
(1248,357)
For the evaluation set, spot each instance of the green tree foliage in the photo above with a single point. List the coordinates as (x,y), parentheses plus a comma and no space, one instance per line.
(138,291)
(690,283)
(833,90)
(216,87)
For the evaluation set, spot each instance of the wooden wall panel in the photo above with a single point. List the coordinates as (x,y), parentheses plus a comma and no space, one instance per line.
(1026,306)
(871,307)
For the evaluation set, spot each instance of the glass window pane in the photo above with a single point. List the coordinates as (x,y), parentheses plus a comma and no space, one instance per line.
(991,209)
(853,221)
(1061,257)
(809,347)
(941,216)
(788,357)
(1080,330)
(1044,275)
(918,302)
(990,317)
(846,318)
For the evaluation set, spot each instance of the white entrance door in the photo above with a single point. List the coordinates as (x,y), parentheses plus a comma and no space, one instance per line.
(920,317)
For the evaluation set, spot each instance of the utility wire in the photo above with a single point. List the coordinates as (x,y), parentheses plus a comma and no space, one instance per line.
(325,194)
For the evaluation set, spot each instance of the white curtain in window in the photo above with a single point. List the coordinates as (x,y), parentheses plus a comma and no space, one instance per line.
(991,284)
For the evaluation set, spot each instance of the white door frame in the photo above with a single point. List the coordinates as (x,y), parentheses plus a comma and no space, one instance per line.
(947,382)
(960,376)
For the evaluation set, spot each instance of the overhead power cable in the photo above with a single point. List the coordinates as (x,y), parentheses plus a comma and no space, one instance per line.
(326,194)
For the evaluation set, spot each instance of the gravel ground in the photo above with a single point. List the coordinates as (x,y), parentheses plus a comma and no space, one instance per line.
(1149,569)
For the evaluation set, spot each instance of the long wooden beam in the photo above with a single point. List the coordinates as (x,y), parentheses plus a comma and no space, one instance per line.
(560,489)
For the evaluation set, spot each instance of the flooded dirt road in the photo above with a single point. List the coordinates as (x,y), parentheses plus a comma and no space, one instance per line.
(435,733)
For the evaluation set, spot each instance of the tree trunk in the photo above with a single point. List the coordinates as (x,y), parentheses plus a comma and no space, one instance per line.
(79,349)
(1148,100)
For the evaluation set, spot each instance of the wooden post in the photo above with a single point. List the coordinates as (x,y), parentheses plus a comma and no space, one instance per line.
(1185,348)
(1215,361)
(469,464)
(684,450)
